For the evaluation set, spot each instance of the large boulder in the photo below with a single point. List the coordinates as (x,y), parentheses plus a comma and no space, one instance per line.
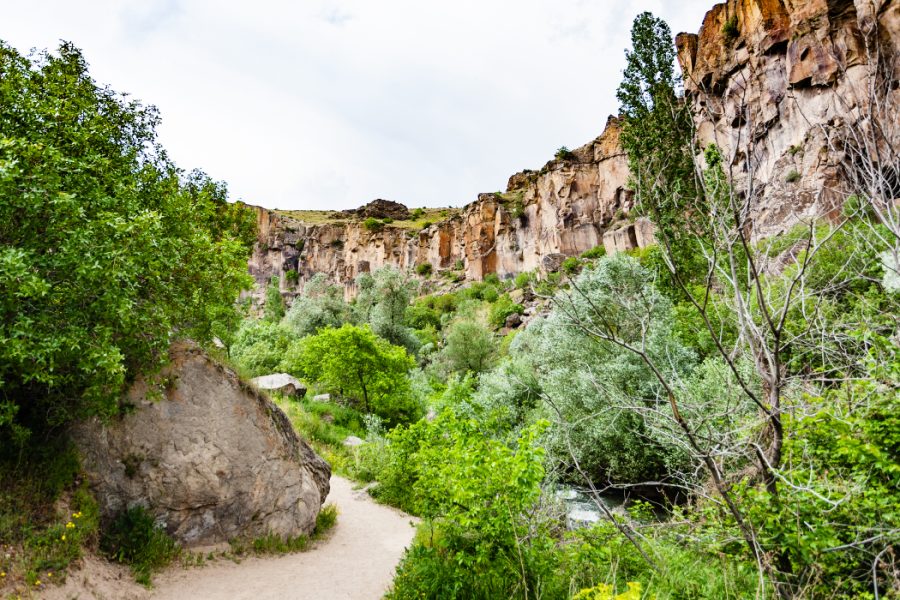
(209,456)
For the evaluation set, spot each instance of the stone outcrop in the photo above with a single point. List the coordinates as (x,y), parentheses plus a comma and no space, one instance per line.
(774,83)
(209,456)
(543,217)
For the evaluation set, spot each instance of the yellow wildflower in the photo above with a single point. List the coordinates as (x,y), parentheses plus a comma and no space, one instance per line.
(70,525)
(77,515)
(2,573)
(38,582)
(63,537)
(49,573)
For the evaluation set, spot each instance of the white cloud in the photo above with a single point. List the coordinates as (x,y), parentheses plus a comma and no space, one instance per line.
(328,104)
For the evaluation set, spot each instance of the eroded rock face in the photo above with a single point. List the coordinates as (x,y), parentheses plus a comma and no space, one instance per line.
(208,456)
(774,90)
(562,210)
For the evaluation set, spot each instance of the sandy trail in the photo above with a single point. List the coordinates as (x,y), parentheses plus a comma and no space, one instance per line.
(356,562)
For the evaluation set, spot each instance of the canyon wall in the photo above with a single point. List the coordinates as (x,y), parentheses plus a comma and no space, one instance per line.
(776,85)
(773,83)
(544,216)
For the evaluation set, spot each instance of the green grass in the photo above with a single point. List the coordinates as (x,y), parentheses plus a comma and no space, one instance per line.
(47,517)
(418,221)
(136,540)
(275,544)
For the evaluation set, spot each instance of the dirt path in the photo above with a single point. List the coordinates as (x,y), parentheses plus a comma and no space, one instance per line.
(356,562)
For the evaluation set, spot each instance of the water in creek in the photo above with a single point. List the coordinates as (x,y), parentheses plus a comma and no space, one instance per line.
(582,510)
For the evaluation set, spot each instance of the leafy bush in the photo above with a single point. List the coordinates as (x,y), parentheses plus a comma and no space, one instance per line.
(571,265)
(524,279)
(274,308)
(417,213)
(382,302)
(564,153)
(475,494)
(468,347)
(730,30)
(792,177)
(357,365)
(292,276)
(503,308)
(373,224)
(107,248)
(424,269)
(595,252)
(259,347)
(320,305)
(135,539)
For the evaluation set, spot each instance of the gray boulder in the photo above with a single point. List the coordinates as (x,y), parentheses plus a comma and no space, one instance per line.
(281,383)
(322,398)
(210,457)
(351,441)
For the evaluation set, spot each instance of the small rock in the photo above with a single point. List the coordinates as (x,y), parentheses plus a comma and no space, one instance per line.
(352,441)
(322,398)
(513,320)
(281,383)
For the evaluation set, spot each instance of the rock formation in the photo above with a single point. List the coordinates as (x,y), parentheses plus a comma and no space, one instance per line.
(207,455)
(775,84)
(562,210)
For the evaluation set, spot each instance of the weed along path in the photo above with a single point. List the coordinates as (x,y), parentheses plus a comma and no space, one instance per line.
(355,562)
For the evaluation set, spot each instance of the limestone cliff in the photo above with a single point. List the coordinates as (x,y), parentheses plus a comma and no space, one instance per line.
(774,83)
(544,216)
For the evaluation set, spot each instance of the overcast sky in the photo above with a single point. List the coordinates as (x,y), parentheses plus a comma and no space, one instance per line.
(329,104)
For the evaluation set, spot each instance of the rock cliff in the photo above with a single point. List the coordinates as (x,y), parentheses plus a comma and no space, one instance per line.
(776,83)
(561,210)
(207,455)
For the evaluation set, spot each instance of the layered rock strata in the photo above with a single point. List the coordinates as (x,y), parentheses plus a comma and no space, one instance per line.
(562,210)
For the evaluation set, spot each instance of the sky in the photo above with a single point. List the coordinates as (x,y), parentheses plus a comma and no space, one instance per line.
(326,104)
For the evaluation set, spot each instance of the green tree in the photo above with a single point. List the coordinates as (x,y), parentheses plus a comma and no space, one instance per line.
(259,346)
(383,299)
(356,364)
(657,133)
(320,305)
(468,347)
(107,250)
(274,308)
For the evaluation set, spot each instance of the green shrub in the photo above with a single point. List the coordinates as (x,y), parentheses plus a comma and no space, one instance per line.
(373,224)
(424,269)
(524,279)
(595,252)
(503,308)
(108,249)
(259,346)
(417,213)
(459,265)
(427,224)
(387,220)
(571,266)
(563,153)
(792,177)
(325,520)
(292,276)
(731,29)
(135,539)
(359,366)
(274,308)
